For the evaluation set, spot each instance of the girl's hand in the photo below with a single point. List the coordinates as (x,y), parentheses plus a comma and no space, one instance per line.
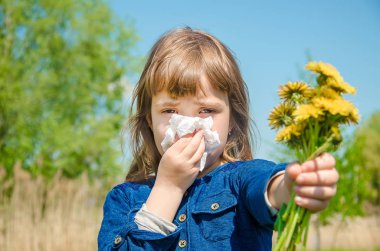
(177,168)
(314,182)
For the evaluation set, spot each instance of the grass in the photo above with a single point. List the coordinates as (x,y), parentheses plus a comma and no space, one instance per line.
(66,215)
(62,215)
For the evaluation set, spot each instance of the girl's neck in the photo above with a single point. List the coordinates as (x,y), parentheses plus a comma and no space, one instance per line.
(210,168)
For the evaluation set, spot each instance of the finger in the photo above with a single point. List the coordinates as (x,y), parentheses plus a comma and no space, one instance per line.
(181,143)
(193,145)
(312,204)
(323,161)
(199,152)
(319,193)
(291,173)
(320,178)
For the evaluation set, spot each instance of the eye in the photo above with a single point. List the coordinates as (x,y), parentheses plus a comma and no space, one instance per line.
(206,110)
(169,111)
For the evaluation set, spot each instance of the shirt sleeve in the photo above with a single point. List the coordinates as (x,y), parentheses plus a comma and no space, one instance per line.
(253,183)
(146,220)
(120,232)
(272,209)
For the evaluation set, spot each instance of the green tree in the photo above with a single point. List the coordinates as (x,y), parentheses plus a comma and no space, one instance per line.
(351,188)
(369,134)
(61,70)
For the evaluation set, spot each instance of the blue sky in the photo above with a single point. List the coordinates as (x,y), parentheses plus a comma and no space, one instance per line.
(271,39)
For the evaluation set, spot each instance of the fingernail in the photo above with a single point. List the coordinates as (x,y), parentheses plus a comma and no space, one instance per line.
(298,200)
(300,178)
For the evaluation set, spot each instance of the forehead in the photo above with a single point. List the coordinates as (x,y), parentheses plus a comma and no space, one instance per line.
(205,94)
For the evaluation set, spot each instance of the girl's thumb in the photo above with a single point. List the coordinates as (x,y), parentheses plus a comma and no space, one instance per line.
(291,173)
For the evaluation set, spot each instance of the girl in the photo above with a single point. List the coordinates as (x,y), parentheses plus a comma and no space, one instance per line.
(167,203)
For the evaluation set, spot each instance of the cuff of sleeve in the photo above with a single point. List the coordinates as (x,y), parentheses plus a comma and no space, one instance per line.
(132,231)
(272,209)
(146,220)
(146,235)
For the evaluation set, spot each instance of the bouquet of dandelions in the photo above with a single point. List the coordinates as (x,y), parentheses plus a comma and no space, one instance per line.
(310,118)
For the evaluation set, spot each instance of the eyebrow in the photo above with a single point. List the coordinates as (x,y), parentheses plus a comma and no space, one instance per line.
(174,103)
(168,103)
(207,103)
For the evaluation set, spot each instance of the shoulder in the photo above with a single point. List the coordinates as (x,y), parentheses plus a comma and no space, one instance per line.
(250,170)
(134,186)
(255,165)
(130,191)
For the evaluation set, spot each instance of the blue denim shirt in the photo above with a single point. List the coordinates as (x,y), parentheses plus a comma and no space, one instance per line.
(224,210)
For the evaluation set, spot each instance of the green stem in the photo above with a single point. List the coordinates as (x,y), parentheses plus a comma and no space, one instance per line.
(305,223)
(321,149)
(294,216)
(293,223)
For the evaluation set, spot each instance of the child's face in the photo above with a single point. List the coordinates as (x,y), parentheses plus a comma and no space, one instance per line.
(211,102)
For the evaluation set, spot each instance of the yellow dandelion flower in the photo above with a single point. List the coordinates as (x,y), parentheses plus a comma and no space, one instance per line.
(324,69)
(290,132)
(337,137)
(341,107)
(281,115)
(306,111)
(335,130)
(296,92)
(327,92)
(322,103)
(354,116)
(346,110)
(330,76)
(342,87)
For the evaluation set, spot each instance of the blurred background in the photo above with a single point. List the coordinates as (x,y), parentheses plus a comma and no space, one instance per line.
(67,69)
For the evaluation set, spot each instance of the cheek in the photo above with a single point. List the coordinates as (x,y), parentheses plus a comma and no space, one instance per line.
(223,135)
(221,125)
(159,125)
(159,130)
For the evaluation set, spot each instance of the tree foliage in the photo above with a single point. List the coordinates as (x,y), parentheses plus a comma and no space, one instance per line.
(369,135)
(61,92)
(351,190)
(359,171)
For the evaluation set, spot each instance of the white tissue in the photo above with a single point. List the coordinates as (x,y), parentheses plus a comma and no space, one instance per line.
(183,125)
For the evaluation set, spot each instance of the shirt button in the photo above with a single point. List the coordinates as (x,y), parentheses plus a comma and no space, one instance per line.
(182,217)
(182,243)
(117,240)
(214,206)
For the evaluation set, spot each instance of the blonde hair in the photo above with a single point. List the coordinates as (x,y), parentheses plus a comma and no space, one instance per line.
(175,64)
